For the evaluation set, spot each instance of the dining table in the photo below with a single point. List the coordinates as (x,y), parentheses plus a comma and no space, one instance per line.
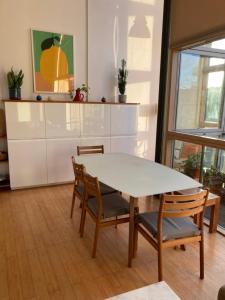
(137,177)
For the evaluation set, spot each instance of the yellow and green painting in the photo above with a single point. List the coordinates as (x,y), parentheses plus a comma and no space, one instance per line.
(53,62)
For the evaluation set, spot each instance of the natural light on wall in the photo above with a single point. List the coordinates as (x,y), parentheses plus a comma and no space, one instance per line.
(139,45)
(150,2)
(24,112)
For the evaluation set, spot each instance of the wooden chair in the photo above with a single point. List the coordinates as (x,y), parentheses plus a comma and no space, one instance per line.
(172,225)
(78,189)
(102,208)
(81,150)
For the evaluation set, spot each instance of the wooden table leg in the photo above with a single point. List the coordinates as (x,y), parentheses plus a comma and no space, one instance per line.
(131,231)
(214,217)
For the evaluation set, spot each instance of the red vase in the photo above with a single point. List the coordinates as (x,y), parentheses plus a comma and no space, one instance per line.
(79,97)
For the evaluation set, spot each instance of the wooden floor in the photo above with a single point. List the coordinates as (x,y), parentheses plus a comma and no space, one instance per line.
(42,256)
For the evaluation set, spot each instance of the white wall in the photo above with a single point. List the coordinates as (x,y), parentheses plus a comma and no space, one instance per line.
(110,39)
(109,22)
(16,20)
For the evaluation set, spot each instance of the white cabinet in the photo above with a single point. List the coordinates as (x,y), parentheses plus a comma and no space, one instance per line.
(95,120)
(62,120)
(124,120)
(25,120)
(125,144)
(59,164)
(94,141)
(27,163)
(42,137)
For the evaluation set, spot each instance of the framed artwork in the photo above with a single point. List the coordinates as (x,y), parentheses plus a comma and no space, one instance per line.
(53,66)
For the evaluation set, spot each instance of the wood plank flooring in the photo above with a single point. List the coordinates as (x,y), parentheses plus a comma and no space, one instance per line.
(42,256)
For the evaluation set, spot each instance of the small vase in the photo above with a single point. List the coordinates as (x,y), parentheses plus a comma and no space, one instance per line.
(122,98)
(15,94)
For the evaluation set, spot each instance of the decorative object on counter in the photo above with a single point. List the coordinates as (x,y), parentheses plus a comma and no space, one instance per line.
(103,100)
(3,155)
(53,62)
(15,81)
(81,92)
(38,98)
(122,81)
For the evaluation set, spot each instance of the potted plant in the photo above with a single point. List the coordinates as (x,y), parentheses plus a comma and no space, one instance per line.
(122,81)
(214,180)
(80,93)
(192,165)
(15,81)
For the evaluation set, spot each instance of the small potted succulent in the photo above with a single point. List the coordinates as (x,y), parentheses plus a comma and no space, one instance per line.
(122,81)
(15,81)
(192,165)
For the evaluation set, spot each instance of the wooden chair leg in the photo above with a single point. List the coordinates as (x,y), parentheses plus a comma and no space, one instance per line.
(183,247)
(116,224)
(73,202)
(82,222)
(95,240)
(160,272)
(201,244)
(135,241)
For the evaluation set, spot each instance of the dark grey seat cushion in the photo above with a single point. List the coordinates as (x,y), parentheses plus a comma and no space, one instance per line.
(172,228)
(105,189)
(113,205)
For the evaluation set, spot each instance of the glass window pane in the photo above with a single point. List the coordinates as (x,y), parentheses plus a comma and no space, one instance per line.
(214,97)
(188,100)
(214,61)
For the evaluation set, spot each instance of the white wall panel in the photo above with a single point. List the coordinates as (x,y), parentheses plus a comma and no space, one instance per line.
(124,120)
(59,164)
(25,120)
(27,163)
(62,120)
(95,120)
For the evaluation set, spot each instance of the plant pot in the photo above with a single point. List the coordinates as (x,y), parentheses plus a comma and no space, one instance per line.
(122,98)
(15,94)
(194,173)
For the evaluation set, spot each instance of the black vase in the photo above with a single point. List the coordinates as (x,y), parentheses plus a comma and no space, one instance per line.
(15,94)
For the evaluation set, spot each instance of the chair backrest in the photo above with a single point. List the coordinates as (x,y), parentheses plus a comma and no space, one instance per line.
(90,149)
(92,189)
(179,206)
(78,170)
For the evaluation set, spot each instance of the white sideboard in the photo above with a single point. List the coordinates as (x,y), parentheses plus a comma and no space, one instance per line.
(42,137)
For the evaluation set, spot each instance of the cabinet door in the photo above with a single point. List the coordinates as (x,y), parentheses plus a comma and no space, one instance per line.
(95,120)
(124,120)
(25,120)
(62,120)
(96,141)
(59,164)
(128,144)
(27,163)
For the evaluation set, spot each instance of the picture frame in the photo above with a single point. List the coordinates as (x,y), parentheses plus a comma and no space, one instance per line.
(53,62)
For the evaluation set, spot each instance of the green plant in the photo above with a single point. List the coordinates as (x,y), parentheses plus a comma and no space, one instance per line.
(122,77)
(15,80)
(193,161)
(83,88)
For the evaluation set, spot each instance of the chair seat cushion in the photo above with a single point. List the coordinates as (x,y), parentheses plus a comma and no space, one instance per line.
(105,189)
(113,205)
(173,228)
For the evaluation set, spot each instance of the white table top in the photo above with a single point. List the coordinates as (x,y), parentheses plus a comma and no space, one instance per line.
(156,291)
(135,176)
